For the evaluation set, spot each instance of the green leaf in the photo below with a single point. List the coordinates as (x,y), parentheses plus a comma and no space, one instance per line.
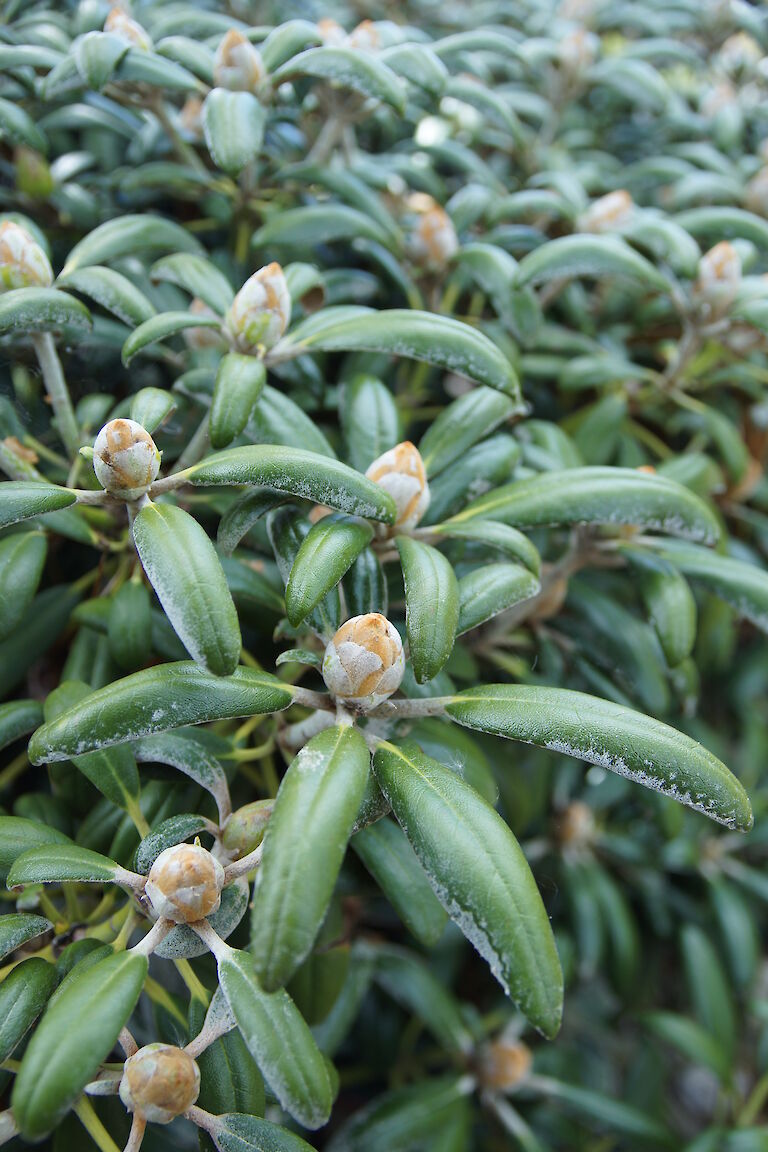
(326,553)
(74,1037)
(697,1045)
(23,499)
(185,572)
(129,236)
(483,467)
(600,732)
(241,516)
(111,291)
(406,978)
(279,1041)
(181,750)
(174,830)
(487,591)
(183,943)
(61,864)
(468,419)
(161,327)
(97,55)
(365,585)
(668,601)
(22,559)
(369,418)
(285,40)
(709,988)
(151,407)
(347,68)
(598,496)
(385,851)
(612,1115)
(287,530)
(596,257)
(277,419)
(233,123)
(40,310)
(18,835)
(402,1119)
(724,223)
(297,473)
(418,64)
(18,718)
(156,700)
(18,127)
(745,586)
(42,624)
(304,846)
(494,536)
(129,627)
(239,1132)
(317,224)
(431,606)
(196,275)
(18,927)
(459,750)
(480,876)
(23,995)
(428,336)
(239,381)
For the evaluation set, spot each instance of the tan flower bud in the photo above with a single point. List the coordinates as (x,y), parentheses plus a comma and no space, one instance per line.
(237,65)
(331,33)
(719,277)
(503,1064)
(191,117)
(23,264)
(119,23)
(401,473)
(246,827)
(365,37)
(185,883)
(364,662)
(432,239)
(577,50)
(125,459)
(756,193)
(576,826)
(199,338)
(261,311)
(608,214)
(160,1082)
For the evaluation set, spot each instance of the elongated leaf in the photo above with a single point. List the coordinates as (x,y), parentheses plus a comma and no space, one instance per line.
(156,700)
(127,236)
(613,1115)
(365,585)
(188,755)
(287,530)
(61,863)
(298,473)
(185,572)
(18,718)
(487,591)
(161,327)
(384,849)
(370,420)
(482,468)
(304,847)
(286,40)
(23,995)
(496,537)
(233,123)
(347,68)
(18,835)
(326,553)
(23,499)
(600,732)
(196,275)
(18,127)
(404,1118)
(240,1132)
(724,223)
(22,559)
(431,606)
(669,602)
(469,419)
(239,380)
(598,496)
(277,419)
(151,407)
(279,1041)
(18,927)
(596,257)
(76,1033)
(111,291)
(174,830)
(316,224)
(480,876)
(241,516)
(745,586)
(417,64)
(439,340)
(40,310)
(407,980)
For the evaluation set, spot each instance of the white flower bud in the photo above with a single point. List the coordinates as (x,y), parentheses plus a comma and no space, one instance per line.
(23,264)
(199,338)
(160,1082)
(185,883)
(237,65)
(119,23)
(717,98)
(739,53)
(365,37)
(432,239)
(331,33)
(125,459)
(608,214)
(503,1064)
(577,50)
(719,277)
(261,311)
(400,471)
(364,662)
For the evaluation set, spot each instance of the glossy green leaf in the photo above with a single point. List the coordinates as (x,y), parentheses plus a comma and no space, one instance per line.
(233,123)
(669,602)
(174,830)
(487,591)
(287,530)
(404,1118)
(129,627)
(431,606)
(304,846)
(22,559)
(598,496)
(75,1035)
(151,407)
(28,310)
(59,864)
(186,574)
(18,927)
(241,516)
(365,585)
(18,718)
(276,419)
(111,291)
(156,700)
(23,995)
(181,750)
(489,463)
(196,275)
(494,536)
(239,380)
(410,983)
(470,418)
(595,257)
(161,327)
(480,876)
(326,553)
(240,1132)
(127,236)
(369,418)
(346,68)
(743,585)
(316,224)
(23,499)
(18,835)
(600,732)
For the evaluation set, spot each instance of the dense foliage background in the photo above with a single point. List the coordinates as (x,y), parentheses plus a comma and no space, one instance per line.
(584,184)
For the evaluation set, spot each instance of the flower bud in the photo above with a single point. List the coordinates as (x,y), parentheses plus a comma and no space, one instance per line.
(365,37)
(364,662)
(739,54)
(261,311)
(185,883)
(23,264)
(718,98)
(160,1082)
(576,827)
(577,50)
(432,239)
(119,23)
(125,459)
(719,277)
(191,117)
(199,338)
(503,1064)
(756,193)
(246,827)
(608,214)
(237,65)
(401,473)
(331,33)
